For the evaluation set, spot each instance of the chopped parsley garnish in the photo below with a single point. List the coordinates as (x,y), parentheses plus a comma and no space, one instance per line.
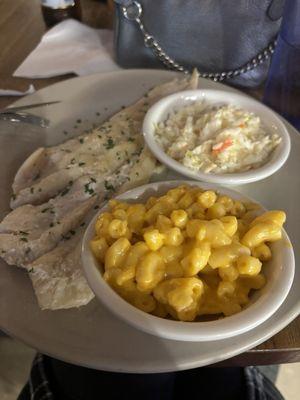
(93,180)
(23,233)
(40,190)
(82,224)
(109,186)
(110,144)
(67,189)
(72,232)
(81,164)
(81,140)
(99,136)
(13,196)
(87,189)
(24,239)
(65,132)
(130,139)
(51,225)
(79,121)
(97,113)
(65,237)
(31,190)
(96,207)
(73,161)
(28,250)
(31,270)
(45,210)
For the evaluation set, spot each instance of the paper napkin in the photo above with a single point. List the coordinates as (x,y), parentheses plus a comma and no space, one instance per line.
(10,92)
(70,47)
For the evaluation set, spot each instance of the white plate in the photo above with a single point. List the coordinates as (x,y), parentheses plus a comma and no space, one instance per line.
(92,336)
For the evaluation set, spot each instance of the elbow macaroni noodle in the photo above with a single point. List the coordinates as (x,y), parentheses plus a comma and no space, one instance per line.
(186,254)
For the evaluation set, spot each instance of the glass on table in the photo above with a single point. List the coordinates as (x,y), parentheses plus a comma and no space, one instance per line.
(55,11)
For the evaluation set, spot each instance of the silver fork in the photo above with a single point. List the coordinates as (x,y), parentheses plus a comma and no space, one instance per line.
(17,114)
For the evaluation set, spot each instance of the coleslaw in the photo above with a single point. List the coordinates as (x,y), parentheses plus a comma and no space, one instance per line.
(216,138)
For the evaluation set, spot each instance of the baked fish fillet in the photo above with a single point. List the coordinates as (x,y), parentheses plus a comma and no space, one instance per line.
(77,165)
(57,276)
(56,189)
(68,156)
(57,280)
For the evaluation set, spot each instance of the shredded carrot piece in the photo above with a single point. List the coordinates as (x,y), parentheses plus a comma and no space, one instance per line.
(242,125)
(227,143)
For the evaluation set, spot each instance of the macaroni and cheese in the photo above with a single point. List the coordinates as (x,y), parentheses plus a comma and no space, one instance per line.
(186,254)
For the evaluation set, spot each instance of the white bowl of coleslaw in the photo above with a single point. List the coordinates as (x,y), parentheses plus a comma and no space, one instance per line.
(216,136)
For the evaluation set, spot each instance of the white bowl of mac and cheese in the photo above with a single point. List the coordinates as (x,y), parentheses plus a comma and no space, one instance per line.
(188,261)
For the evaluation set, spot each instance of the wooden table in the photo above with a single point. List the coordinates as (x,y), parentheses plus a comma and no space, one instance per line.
(21,27)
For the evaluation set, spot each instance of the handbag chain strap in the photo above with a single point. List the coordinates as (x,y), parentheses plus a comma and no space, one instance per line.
(132,11)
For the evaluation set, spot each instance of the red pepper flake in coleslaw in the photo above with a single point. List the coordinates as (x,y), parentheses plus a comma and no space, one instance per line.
(221,146)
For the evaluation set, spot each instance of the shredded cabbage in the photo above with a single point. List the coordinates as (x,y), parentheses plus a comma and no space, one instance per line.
(216,138)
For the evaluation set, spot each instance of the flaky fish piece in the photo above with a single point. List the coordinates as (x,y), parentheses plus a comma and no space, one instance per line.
(87,164)
(46,238)
(124,126)
(57,276)
(31,231)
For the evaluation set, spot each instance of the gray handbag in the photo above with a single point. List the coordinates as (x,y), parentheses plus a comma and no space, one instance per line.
(227,40)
